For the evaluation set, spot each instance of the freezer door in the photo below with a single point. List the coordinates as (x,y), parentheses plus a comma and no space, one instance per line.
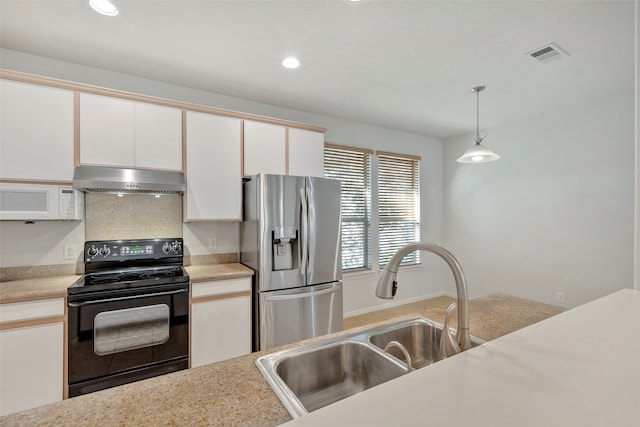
(323,239)
(297,314)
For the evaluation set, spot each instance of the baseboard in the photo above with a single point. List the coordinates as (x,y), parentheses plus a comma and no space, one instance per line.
(398,303)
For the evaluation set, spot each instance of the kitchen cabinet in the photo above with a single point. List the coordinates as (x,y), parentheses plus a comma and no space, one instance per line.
(123,133)
(265,148)
(306,153)
(213,163)
(220,320)
(275,149)
(36,130)
(31,354)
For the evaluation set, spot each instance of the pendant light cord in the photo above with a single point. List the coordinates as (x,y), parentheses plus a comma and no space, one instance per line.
(477,90)
(478,140)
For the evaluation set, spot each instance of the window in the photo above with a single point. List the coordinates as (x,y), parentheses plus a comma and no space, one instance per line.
(398,205)
(398,194)
(352,166)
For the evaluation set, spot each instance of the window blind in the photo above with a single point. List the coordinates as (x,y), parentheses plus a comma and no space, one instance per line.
(352,166)
(399,205)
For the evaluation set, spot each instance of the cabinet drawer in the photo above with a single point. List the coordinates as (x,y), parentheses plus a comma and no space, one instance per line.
(220,287)
(29,310)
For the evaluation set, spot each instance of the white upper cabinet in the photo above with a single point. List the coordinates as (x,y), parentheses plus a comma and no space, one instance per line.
(275,149)
(265,148)
(117,132)
(107,133)
(36,131)
(214,177)
(306,153)
(158,137)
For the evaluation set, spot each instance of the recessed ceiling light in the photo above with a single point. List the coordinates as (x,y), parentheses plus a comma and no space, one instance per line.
(291,63)
(104,7)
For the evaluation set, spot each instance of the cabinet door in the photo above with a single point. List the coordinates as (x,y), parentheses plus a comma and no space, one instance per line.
(306,153)
(36,130)
(214,179)
(264,148)
(106,131)
(158,137)
(31,355)
(221,326)
(31,367)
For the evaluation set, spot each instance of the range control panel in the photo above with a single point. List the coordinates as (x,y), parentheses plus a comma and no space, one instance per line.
(119,250)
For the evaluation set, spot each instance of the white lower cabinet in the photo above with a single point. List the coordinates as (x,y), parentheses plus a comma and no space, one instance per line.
(220,320)
(31,354)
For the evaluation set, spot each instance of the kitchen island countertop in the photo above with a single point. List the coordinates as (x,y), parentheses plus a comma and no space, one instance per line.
(233,392)
(579,368)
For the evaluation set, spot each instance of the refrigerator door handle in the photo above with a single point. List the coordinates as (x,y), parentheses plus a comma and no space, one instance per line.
(305,230)
(302,295)
(310,234)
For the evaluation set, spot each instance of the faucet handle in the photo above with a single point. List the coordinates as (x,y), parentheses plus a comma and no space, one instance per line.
(448,344)
(404,351)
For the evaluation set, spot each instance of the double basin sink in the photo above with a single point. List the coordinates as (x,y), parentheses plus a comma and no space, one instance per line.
(314,375)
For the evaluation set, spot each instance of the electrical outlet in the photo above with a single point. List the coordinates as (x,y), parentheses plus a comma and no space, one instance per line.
(213,243)
(70,251)
(559,296)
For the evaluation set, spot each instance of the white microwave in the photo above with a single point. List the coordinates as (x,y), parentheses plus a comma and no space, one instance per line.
(30,202)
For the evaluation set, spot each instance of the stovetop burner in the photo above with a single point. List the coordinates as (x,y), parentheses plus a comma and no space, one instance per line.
(125,264)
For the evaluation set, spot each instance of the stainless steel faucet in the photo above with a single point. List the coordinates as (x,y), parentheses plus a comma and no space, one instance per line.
(387,285)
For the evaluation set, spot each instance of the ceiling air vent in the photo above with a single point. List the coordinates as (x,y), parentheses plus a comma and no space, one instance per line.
(548,53)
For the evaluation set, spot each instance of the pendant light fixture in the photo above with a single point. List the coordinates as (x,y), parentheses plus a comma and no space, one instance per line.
(478,153)
(105,7)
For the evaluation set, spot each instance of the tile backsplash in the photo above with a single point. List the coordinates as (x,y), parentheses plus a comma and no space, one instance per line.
(132,216)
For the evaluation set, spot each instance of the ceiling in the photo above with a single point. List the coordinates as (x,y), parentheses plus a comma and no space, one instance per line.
(407,65)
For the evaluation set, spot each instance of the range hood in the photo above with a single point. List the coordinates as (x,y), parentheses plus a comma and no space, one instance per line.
(98,179)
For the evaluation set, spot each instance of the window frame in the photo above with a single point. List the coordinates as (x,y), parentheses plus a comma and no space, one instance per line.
(375,221)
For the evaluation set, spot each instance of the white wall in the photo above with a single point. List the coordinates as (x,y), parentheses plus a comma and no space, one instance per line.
(40,243)
(637,241)
(359,289)
(556,213)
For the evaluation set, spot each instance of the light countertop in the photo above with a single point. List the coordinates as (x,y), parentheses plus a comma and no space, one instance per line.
(56,286)
(233,392)
(579,368)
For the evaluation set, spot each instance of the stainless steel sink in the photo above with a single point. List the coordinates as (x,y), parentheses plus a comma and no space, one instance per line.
(314,375)
(330,373)
(421,339)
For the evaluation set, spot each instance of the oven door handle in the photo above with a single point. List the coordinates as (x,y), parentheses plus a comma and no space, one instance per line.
(101,301)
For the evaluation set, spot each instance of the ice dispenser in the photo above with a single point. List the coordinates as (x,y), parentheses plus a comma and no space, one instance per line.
(283,247)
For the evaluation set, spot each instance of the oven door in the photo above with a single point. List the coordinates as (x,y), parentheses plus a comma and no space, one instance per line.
(124,336)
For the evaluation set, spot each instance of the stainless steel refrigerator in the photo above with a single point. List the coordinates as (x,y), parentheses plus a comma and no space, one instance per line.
(290,237)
